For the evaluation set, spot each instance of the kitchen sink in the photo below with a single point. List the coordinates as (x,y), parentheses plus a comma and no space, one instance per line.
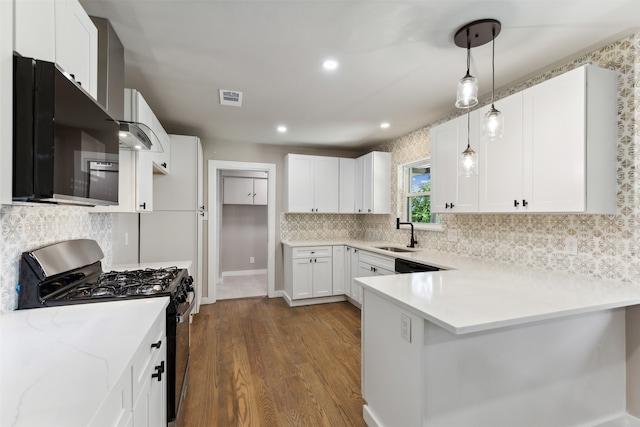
(394,249)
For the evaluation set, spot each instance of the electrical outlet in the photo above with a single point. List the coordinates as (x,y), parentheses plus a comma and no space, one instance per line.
(405,327)
(452,235)
(126,239)
(252,260)
(571,245)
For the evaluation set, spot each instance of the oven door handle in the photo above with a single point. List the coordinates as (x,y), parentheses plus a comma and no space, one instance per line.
(180,318)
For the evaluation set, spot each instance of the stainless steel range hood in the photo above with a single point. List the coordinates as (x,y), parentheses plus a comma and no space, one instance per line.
(133,135)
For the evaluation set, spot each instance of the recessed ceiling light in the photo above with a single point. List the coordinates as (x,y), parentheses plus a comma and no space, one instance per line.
(330,64)
(282,129)
(384,125)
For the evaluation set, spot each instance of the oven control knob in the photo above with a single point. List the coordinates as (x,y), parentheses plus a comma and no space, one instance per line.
(181,297)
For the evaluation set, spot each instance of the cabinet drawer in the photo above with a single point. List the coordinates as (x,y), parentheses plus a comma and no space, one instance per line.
(379,261)
(154,343)
(312,251)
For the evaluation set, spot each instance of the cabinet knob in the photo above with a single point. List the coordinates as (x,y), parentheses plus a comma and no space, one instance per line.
(249,195)
(144,205)
(516,203)
(202,207)
(164,165)
(201,213)
(524,203)
(368,210)
(156,344)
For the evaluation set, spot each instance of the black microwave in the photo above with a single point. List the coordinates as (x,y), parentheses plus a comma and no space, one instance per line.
(60,134)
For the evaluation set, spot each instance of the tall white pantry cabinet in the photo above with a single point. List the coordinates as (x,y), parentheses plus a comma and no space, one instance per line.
(174,230)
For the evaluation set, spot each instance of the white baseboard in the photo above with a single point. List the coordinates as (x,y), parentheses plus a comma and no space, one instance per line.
(243,272)
(369,418)
(277,294)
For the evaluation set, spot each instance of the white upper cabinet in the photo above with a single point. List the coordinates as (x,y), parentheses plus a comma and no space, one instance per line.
(450,191)
(373,183)
(347,195)
(312,184)
(558,152)
(501,163)
(77,44)
(244,191)
(59,31)
(570,140)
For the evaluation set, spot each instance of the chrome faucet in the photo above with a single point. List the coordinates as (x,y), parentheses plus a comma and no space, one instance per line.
(413,242)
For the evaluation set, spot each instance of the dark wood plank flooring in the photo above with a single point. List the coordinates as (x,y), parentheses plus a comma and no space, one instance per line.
(258,362)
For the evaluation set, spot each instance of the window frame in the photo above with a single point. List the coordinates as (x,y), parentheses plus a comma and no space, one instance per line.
(404,193)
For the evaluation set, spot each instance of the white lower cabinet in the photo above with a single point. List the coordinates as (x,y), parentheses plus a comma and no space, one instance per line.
(338,270)
(308,272)
(139,398)
(368,264)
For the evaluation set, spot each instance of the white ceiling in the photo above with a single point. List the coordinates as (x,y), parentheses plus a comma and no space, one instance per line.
(398,62)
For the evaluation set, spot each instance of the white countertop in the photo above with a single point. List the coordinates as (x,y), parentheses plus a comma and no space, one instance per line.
(475,295)
(58,364)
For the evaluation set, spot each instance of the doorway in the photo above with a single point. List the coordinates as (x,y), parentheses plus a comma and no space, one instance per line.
(229,271)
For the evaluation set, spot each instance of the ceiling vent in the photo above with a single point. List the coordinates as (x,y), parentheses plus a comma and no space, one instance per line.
(230,97)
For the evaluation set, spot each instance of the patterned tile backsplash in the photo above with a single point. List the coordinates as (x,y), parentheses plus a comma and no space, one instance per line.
(28,227)
(608,245)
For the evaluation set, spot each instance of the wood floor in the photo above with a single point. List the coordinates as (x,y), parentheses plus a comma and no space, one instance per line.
(258,362)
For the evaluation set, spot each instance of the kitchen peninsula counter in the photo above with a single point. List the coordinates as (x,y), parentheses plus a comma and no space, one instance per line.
(484,343)
(59,364)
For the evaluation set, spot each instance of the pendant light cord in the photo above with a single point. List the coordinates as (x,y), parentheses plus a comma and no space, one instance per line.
(468,128)
(468,53)
(493,65)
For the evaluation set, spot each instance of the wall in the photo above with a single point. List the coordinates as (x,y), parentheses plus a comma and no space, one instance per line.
(29,227)
(244,234)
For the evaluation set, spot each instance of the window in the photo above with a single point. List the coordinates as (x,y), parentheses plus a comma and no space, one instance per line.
(416,193)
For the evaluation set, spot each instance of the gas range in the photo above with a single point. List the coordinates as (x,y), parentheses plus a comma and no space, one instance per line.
(70,272)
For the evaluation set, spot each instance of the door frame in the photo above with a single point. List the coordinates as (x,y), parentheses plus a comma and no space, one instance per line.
(215,200)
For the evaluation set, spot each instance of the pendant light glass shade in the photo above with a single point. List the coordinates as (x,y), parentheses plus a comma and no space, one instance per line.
(468,163)
(467,95)
(493,124)
(468,158)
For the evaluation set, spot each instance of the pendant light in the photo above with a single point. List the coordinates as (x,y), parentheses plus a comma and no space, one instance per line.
(467,95)
(471,35)
(493,122)
(468,158)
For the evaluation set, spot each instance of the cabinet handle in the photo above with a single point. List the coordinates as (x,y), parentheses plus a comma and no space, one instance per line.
(368,210)
(315,260)
(249,195)
(310,260)
(202,207)
(348,249)
(313,252)
(524,203)
(516,203)
(446,205)
(254,194)
(359,210)
(201,213)
(156,344)
(159,371)
(355,250)
(451,205)
(144,205)
(164,165)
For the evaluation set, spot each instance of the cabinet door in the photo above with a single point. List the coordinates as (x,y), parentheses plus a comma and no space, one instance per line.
(554,141)
(367,183)
(338,259)
(359,165)
(347,202)
(380,182)
(353,271)
(326,184)
(444,148)
(300,183)
(144,180)
(450,192)
(238,191)
(322,277)
(501,171)
(76,42)
(260,192)
(302,278)
(158,399)
(34,29)
(346,270)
